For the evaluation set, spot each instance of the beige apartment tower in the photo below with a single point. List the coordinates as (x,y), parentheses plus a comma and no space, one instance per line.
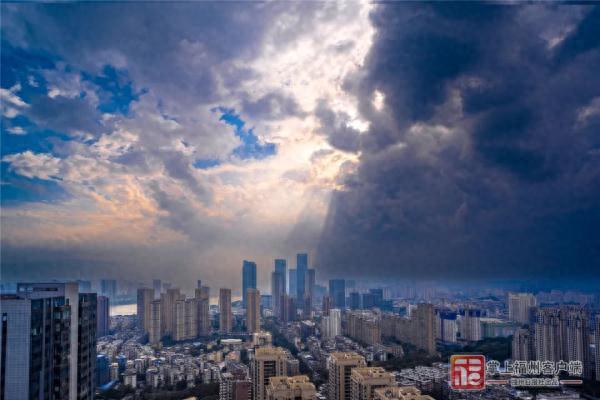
(423,327)
(178,332)
(168,311)
(225,314)
(202,294)
(252,310)
(154,333)
(267,363)
(145,296)
(364,381)
(340,365)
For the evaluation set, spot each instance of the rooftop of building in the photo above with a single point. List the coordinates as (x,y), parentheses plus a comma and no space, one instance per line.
(346,356)
(269,351)
(400,393)
(291,382)
(370,373)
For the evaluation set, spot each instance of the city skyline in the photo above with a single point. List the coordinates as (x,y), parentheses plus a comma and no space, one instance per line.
(299,200)
(177,152)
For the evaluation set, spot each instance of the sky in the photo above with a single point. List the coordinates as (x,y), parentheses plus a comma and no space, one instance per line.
(402,140)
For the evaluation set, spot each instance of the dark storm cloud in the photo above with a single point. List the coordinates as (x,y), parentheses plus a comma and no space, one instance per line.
(271,106)
(336,126)
(485,160)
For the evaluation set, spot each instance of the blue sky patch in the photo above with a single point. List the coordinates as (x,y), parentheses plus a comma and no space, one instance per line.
(251,146)
(17,189)
(118,90)
(206,163)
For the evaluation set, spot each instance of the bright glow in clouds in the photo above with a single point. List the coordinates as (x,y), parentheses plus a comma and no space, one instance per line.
(133,198)
(378,100)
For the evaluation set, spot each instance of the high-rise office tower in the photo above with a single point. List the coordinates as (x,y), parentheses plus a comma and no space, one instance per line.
(108,287)
(154,333)
(288,309)
(253,310)
(168,303)
(281,267)
(519,307)
(102,370)
(309,294)
(311,282)
(424,325)
(81,333)
(307,308)
(225,314)
(86,346)
(364,381)
(340,365)
(337,292)
(354,301)
(267,362)
(377,296)
(293,282)
(35,341)
(145,296)
(103,316)
(203,297)
(291,388)
(326,306)
(301,275)
(157,286)
(248,278)
(367,301)
(199,284)
(277,290)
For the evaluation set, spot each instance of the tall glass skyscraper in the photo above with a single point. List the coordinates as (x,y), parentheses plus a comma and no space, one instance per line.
(301,271)
(281,268)
(293,279)
(248,278)
(337,292)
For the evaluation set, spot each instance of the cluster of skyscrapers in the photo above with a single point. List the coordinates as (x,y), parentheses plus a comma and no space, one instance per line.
(297,292)
(170,314)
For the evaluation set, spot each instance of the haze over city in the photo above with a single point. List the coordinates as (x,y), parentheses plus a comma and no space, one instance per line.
(419,141)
